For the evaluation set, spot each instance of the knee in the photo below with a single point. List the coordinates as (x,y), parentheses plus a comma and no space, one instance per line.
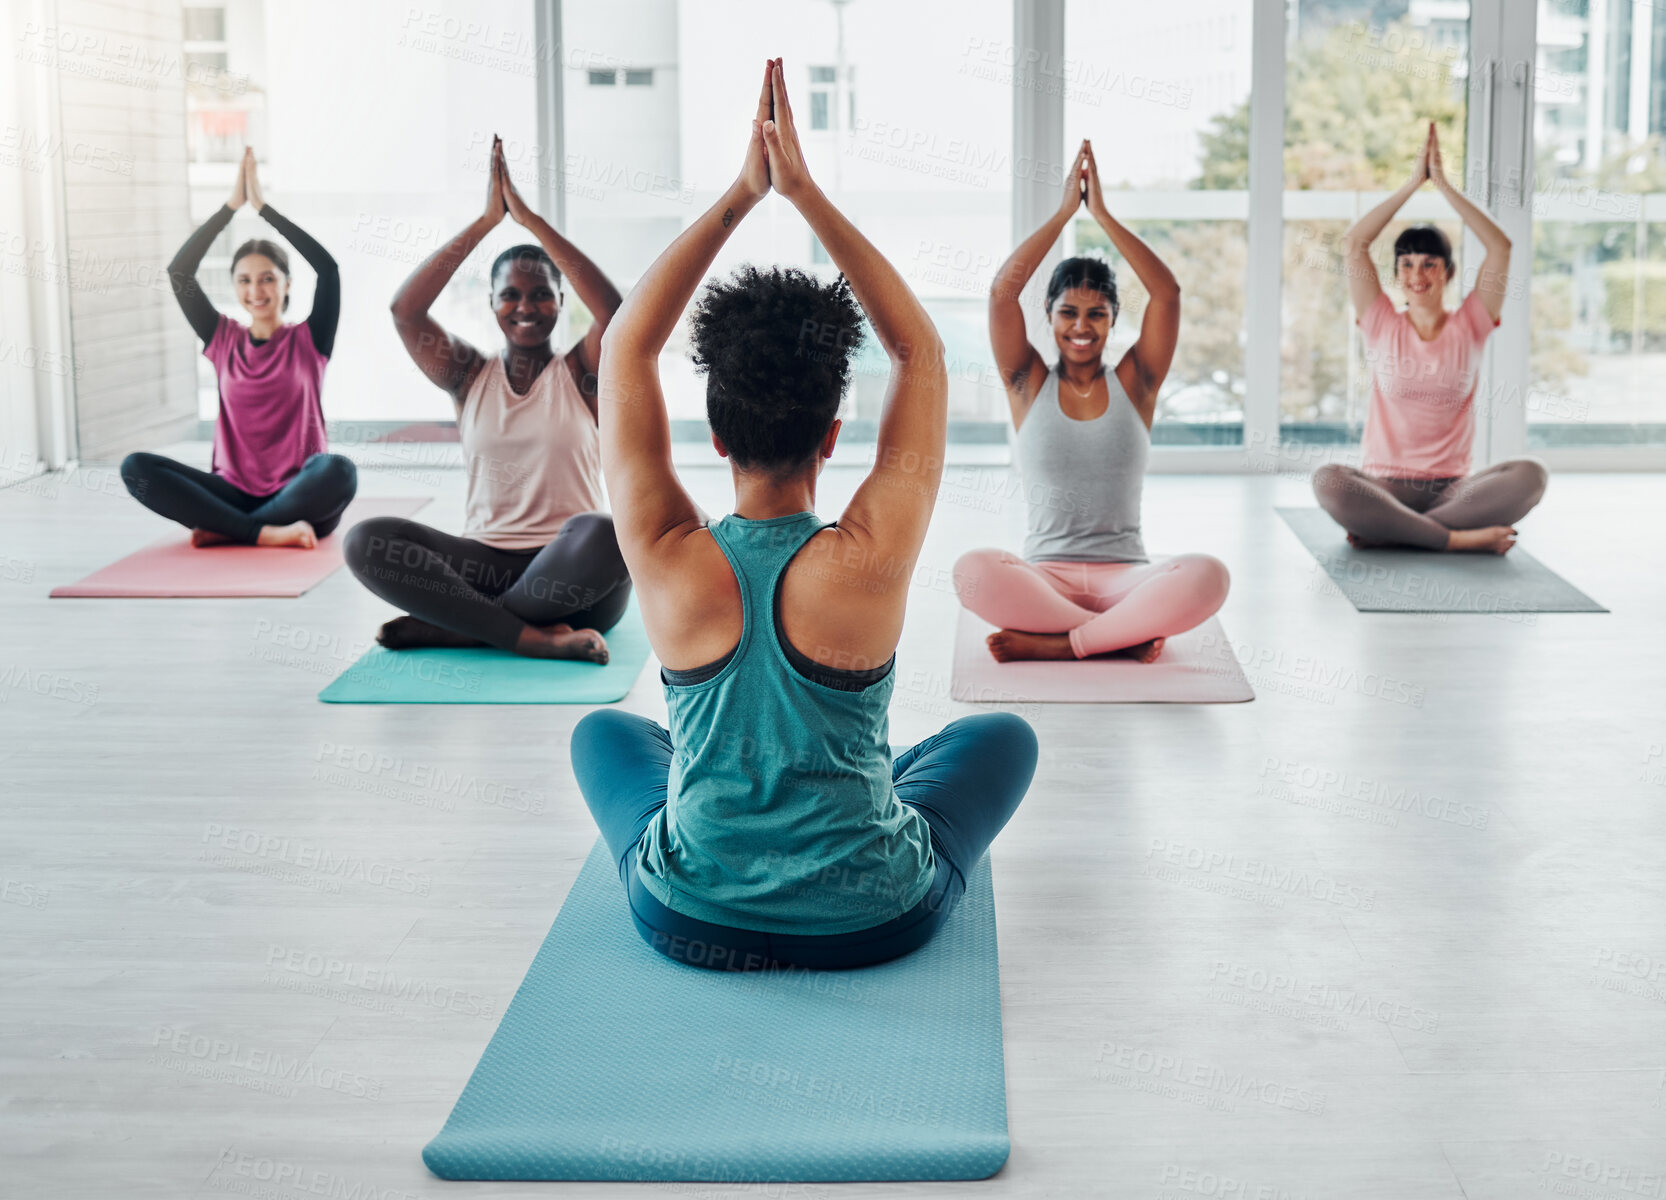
(596,535)
(368,539)
(1329,482)
(971,570)
(338,473)
(598,736)
(1209,575)
(1535,478)
(1013,738)
(138,467)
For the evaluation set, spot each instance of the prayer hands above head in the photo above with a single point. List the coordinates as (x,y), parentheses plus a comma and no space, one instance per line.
(788,172)
(496,205)
(1075,182)
(517,208)
(240,185)
(1094,196)
(1435,168)
(251,180)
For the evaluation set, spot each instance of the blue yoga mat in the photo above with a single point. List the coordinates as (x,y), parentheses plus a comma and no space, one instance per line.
(613,1062)
(487,676)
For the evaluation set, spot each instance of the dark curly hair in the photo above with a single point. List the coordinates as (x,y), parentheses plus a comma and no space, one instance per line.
(271,250)
(517,253)
(1081,272)
(1423,239)
(776,349)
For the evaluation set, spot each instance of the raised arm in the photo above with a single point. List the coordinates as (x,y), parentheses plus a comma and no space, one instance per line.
(326,295)
(892,506)
(593,287)
(1363,285)
(1022,368)
(182,271)
(1153,350)
(651,510)
(448,361)
(1493,280)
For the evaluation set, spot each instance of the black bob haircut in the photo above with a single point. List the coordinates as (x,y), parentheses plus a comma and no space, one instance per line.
(776,347)
(273,251)
(518,255)
(1423,239)
(1082,272)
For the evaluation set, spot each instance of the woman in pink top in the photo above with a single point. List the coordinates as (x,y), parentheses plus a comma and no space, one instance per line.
(272,484)
(1414,487)
(537,570)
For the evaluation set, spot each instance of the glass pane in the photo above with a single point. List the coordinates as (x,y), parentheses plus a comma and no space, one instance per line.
(914,146)
(1599,225)
(1359,93)
(1165,97)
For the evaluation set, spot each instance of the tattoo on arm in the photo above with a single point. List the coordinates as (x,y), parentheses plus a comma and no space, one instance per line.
(728,216)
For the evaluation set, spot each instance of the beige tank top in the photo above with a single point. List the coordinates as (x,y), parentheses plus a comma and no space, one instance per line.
(533,460)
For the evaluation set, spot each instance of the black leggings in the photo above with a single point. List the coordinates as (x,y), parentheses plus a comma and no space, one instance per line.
(319,494)
(483,592)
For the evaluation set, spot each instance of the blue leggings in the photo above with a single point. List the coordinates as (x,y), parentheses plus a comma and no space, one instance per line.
(966,781)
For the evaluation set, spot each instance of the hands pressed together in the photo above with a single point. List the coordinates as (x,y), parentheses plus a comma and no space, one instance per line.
(774,158)
(502,197)
(1081,184)
(246,189)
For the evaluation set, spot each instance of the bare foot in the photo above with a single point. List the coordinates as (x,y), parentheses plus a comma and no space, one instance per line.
(1493,539)
(203,537)
(1145,652)
(1012,645)
(562,641)
(299,535)
(411,633)
(1359,543)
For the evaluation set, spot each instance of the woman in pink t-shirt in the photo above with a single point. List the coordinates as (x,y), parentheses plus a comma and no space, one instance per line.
(272,482)
(1413,487)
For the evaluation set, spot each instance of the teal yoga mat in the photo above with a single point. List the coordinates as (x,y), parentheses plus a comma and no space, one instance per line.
(488,676)
(1423,581)
(615,1063)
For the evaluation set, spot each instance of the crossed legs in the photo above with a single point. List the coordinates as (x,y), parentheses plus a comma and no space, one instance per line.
(1474,512)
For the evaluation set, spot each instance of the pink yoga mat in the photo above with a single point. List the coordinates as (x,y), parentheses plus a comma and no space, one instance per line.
(1196,667)
(173,567)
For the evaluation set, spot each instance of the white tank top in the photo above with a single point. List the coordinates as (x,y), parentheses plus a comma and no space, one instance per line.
(533,461)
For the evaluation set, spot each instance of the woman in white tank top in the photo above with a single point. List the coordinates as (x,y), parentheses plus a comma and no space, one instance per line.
(1084,585)
(537,570)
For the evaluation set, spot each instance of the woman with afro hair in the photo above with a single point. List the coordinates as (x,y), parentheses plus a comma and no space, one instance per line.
(769,825)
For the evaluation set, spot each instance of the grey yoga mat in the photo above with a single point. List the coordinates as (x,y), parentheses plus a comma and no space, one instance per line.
(1426,581)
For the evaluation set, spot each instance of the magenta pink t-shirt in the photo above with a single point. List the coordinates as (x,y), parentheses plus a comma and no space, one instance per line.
(271,406)
(1421,422)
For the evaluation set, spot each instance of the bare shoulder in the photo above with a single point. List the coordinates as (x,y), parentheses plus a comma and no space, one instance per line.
(843,598)
(689,596)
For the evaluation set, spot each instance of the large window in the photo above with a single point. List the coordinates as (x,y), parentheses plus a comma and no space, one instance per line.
(1359,92)
(1163,92)
(922,165)
(1598,357)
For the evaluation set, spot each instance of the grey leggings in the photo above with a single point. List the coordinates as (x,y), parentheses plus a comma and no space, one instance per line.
(1421,512)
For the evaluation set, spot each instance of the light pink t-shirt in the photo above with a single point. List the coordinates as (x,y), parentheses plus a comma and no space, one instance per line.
(533,461)
(1421,422)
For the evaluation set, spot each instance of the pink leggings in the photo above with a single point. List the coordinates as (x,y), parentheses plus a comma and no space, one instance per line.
(1104,606)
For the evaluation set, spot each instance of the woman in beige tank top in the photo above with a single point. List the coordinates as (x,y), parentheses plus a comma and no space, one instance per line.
(537,570)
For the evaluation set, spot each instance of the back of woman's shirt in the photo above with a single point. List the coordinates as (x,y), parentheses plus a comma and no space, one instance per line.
(781,816)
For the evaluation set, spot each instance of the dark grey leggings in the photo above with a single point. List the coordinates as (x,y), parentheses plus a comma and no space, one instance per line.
(318,494)
(483,592)
(1421,512)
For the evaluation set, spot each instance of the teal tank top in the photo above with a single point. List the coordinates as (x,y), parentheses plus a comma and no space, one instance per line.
(780,815)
